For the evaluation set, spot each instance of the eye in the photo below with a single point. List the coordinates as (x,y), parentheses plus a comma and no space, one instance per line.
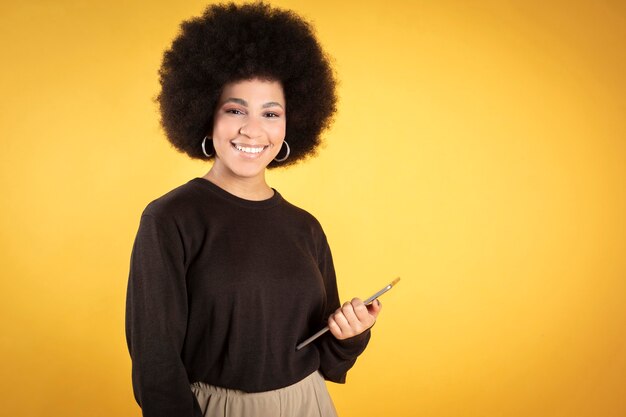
(233,111)
(271,115)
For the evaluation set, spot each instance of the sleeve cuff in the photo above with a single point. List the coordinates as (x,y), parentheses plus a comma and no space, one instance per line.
(353,346)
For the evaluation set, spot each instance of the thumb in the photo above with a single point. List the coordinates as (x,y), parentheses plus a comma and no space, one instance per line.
(374,308)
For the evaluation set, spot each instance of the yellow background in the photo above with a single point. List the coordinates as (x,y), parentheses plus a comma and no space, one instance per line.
(479,153)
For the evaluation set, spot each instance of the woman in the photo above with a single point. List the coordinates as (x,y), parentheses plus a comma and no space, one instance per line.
(226,276)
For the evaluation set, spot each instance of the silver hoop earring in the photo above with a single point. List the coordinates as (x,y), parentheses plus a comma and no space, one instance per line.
(284,158)
(208,155)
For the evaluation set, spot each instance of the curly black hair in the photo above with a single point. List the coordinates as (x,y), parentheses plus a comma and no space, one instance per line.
(231,43)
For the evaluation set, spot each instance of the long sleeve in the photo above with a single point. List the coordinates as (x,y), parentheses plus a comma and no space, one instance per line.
(156,321)
(336,356)
(221,290)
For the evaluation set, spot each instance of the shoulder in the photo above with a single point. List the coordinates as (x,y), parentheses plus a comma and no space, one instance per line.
(299,218)
(299,213)
(174,203)
(178,214)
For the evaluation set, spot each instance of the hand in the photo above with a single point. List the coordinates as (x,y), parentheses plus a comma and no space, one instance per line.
(353,318)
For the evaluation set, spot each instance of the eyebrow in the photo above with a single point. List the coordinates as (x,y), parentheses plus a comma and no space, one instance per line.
(272,104)
(245,103)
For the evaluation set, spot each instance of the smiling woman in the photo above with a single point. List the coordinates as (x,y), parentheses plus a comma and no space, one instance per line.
(226,276)
(248,133)
(232,43)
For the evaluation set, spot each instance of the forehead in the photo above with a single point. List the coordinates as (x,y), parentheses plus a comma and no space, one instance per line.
(254,91)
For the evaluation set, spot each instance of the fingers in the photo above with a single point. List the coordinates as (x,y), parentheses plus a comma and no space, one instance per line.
(339,324)
(355,312)
(334,326)
(374,308)
(352,318)
(354,315)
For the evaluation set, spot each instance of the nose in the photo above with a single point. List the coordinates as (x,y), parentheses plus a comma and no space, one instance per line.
(251,127)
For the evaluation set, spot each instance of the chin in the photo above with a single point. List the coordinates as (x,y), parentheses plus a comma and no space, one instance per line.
(248,170)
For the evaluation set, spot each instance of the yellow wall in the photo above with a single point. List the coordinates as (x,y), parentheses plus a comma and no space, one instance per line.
(479,153)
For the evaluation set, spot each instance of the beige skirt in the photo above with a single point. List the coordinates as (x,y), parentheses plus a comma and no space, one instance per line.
(307,398)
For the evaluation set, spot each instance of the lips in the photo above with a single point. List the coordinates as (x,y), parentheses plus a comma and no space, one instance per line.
(249,149)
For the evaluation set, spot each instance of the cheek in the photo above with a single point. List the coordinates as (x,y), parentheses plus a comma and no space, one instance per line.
(223,126)
(277,132)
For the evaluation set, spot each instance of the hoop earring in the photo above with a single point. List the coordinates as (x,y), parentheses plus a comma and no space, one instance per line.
(208,155)
(284,158)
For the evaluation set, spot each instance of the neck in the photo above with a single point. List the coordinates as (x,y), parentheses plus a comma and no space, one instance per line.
(254,188)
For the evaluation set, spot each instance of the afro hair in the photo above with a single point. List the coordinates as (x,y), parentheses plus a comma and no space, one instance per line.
(230,43)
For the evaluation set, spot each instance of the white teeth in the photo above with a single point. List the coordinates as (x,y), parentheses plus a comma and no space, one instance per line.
(249,150)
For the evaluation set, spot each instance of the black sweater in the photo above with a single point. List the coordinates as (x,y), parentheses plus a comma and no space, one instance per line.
(221,291)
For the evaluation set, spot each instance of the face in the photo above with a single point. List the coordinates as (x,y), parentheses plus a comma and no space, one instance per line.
(248,127)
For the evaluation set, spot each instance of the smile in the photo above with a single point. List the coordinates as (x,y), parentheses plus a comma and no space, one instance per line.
(250,149)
